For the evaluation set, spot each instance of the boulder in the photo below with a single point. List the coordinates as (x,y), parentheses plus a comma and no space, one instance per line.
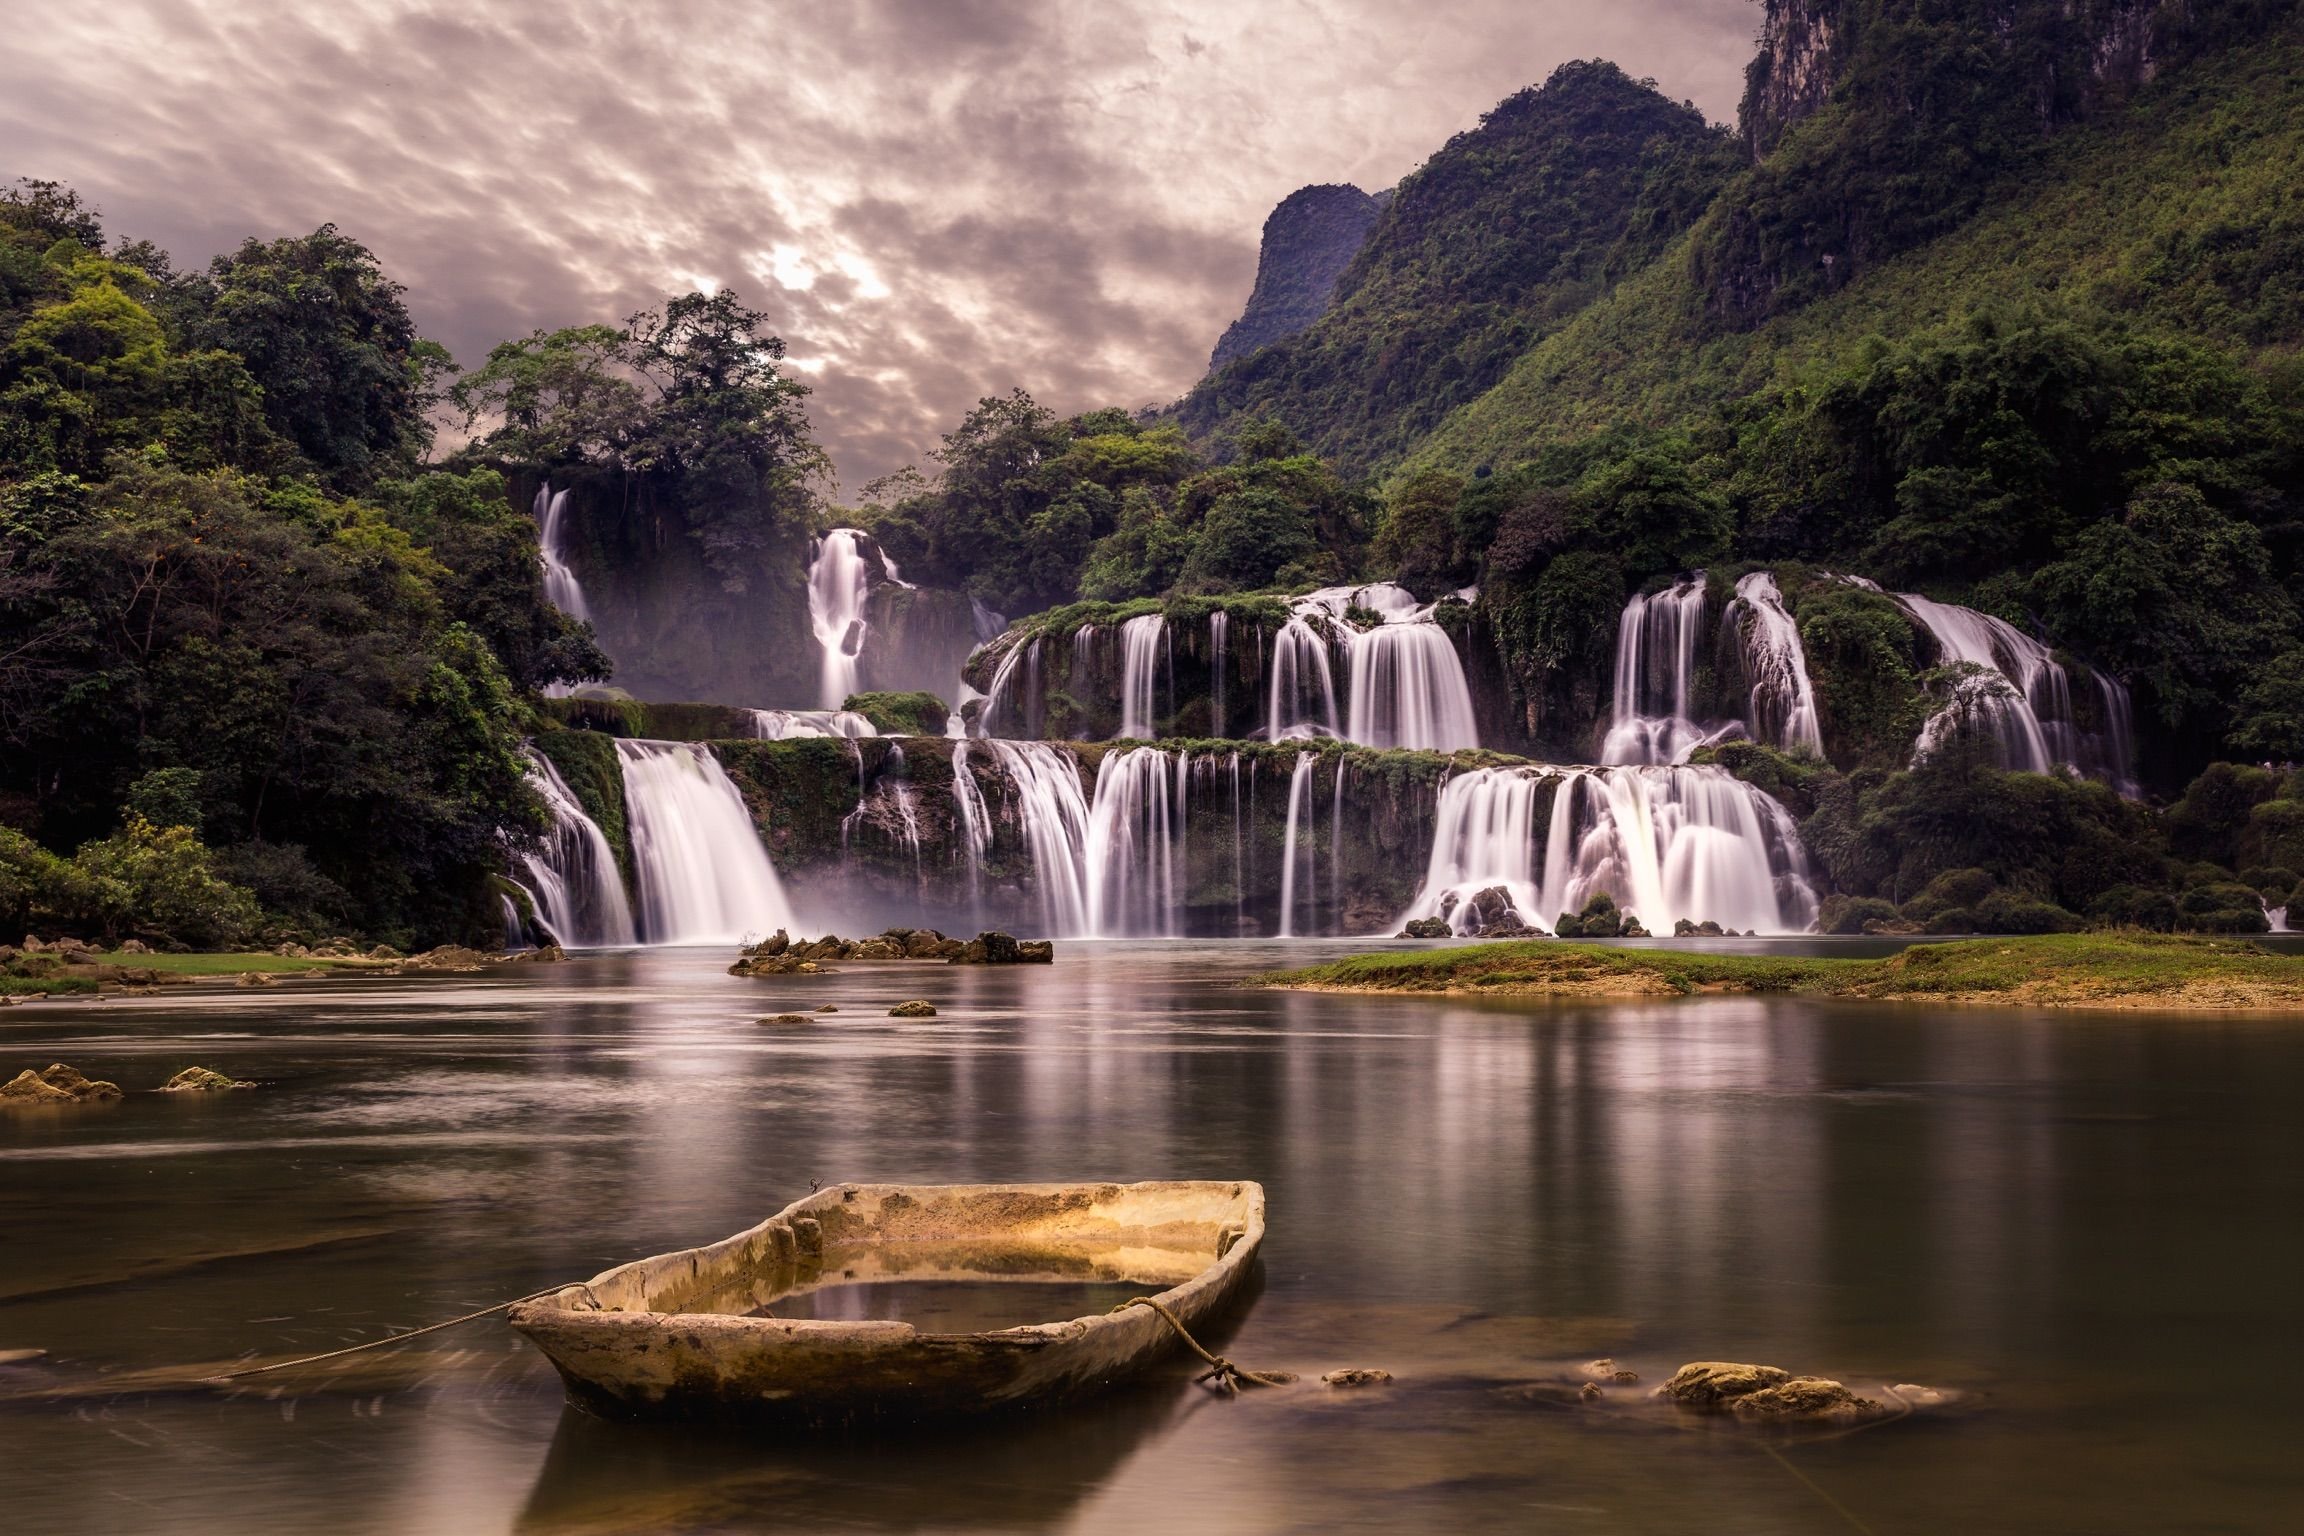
(292,952)
(1035,951)
(1004,949)
(1807,1399)
(542,954)
(1491,910)
(1709,1383)
(775,944)
(257,979)
(59,1084)
(201,1080)
(384,952)
(1607,1371)
(1358,1376)
(917,1008)
(1426,928)
(448,958)
(785,1020)
(876,949)
(927,944)
(135,947)
(785,964)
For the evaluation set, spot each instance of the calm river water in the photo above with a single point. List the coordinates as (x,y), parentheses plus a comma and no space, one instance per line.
(2090,1221)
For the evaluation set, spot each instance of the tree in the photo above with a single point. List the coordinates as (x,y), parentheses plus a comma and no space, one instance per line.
(326,335)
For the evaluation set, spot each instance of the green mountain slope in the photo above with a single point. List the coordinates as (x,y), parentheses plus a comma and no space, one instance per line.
(1507,231)
(2181,210)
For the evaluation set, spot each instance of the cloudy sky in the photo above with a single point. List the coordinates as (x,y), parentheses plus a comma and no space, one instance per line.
(933,199)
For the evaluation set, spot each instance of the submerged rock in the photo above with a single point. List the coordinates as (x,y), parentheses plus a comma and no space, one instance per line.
(1608,1371)
(447,958)
(785,1020)
(542,954)
(828,1008)
(1358,1376)
(917,1008)
(201,1080)
(257,979)
(994,948)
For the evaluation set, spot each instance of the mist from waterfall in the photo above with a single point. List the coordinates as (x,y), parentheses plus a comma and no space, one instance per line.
(703,875)
(1668,843)
(572,880)
(838,583)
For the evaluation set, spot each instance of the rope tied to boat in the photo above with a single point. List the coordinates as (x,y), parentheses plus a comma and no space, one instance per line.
(1222,1375)
(397,1338)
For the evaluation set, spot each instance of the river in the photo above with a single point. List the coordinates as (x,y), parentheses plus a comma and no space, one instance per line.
(2088,1221)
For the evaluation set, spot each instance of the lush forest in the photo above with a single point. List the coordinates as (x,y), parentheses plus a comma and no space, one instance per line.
(1998,304)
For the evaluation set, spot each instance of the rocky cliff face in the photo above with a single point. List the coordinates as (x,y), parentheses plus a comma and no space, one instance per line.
(1803,48)
(1308,242)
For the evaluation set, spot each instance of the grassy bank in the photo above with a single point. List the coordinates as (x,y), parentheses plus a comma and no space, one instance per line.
(113,966)
(2071,970)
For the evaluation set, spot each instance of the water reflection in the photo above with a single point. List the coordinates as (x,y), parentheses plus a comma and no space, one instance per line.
(2089,1217)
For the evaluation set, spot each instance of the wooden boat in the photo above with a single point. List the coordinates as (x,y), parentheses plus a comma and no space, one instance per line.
(692,1334)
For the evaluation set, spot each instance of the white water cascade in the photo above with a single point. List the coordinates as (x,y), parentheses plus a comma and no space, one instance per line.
(2032,726)
(1656,639)
(837,586)
(1219,670)
(788,724)
(1299,799)
(1668,843)
(1143,646)
(1055,815)
(1406,685)
(572,880)
(704,877)
(561,587)
(1135,854)
(1012,705)
(1782,712)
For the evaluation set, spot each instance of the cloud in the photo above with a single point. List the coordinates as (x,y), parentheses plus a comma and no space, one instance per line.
(933,199)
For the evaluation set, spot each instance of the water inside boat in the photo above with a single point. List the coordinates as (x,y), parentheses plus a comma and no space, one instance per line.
(956,1305)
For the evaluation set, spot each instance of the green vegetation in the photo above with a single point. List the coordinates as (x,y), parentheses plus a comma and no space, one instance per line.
(2100,970)
(901,714)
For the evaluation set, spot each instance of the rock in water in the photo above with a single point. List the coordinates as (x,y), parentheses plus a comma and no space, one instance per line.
(918,1008)
(26,1087)
(201,1080)
(1807,1399)
(59,1084)
(257,979)
(785,1020)
(1709,1383)
(1426,928)
(1358,1376)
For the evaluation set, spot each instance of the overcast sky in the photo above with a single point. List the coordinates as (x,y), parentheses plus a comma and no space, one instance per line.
(933,199)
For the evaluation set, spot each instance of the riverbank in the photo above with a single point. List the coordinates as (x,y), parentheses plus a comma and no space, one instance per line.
(126,970)
(2069,970)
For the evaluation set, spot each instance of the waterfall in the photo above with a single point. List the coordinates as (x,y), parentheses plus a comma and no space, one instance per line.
(1219,669)
(2033,728)
(1143,641)
(1783,708)
(1667,842)
(1018,673)
(1055,817)
(1406,683)
(837,583)
(1655,664)
(1136,845)
(1299,794)
(561,588)
(704,877)
(788,724)
(975,820)
(573,882)
(1299,666)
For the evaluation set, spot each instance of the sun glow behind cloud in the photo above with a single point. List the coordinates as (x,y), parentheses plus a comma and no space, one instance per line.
(933,199)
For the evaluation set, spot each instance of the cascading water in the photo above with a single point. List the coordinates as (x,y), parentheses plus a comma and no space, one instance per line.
(791,724)
(572,880)
(2032,725)
(1219,670)
(704,877)
(837,587)
(1135,849)
(1783,701)
(1656,640)
(1143,645)
(1668,843)
(1055,817)
(1299,798)
(1406,683)
(1012,705)
(1303,688)
(975,820)
(561,587)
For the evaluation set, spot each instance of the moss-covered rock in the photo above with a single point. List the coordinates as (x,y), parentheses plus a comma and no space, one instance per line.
(1710,1383)
(901,714)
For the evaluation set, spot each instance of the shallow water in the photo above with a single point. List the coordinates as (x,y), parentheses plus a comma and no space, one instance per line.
(2088,1220)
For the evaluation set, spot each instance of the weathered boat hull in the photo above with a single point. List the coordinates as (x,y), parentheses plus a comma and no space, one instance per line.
(666,1337)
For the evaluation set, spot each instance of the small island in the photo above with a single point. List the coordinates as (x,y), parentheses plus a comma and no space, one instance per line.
(2062,970)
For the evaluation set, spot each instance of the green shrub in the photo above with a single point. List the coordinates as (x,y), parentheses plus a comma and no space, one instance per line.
(2008,912)
(2269,881)
(1849,914)
(2132,906)
(1952,920)
(158,882)
(901,714)
(1953,888)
